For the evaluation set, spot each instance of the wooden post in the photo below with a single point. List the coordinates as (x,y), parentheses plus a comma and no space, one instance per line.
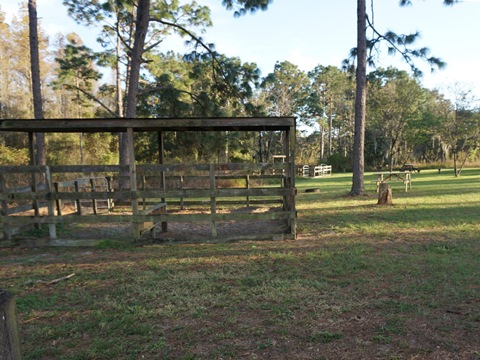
(144,186)
(78,201)
(94,201)
(408,183)
(9,337)
(52,228)
(31,150)
(213,200)
(58,202)
(109,189)
(247,186)
(181,188)
(385,194)
(4,211)
(133,181)
(161,160)
(290,135)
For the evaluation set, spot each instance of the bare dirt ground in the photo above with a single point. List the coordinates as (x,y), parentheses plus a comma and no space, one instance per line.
(176,231)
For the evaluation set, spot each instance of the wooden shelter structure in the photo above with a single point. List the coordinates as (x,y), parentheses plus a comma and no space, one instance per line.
(152,189)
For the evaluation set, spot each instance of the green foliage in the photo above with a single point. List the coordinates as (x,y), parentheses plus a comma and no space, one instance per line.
(76,66)
(242,7)
(285,89)
(395,102)
(339,162)
(13,156)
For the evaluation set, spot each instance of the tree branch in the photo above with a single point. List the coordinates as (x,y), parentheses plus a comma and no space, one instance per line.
(160,88)
(197,40)
(90,96)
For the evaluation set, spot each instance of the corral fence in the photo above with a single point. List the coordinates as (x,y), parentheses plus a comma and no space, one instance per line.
(94,195)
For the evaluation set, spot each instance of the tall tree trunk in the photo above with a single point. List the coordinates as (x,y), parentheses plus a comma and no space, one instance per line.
(360,101)
(36,84)
(322,143)
(122,139)
(260,147)
(330,126)
(141,27)
(118,72)
(455,162)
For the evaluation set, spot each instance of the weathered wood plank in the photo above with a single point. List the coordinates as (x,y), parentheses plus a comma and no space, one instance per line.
(88,168)
(227,202)
(121,125)
(144,168)
(13,169)
(20,209)
(218,177)
(153,208)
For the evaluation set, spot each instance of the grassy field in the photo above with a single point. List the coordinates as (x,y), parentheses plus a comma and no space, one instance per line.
(361,282)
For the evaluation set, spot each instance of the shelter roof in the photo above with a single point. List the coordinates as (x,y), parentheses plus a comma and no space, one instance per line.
(145,124)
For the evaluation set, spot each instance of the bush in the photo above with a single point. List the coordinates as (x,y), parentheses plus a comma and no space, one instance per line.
(11,156)
(340,163)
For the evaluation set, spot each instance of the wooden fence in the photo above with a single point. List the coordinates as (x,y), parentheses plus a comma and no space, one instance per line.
(175,186)
(322,170)
(314,171)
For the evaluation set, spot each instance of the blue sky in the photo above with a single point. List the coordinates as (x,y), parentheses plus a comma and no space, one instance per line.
(312,32)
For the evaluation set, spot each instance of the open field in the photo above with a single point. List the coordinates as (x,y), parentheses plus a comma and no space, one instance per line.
(361,282)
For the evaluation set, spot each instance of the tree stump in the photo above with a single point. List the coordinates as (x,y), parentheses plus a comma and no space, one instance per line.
(9,338)
(385,194)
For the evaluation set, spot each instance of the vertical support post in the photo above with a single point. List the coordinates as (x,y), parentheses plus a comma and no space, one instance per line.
(213,200)
(9,336)
(50,204)
(109,189)
(31,150)
(58,202)
(144,201)
(181,188)
(161,159)
(247,186)
(94,201)
(133,181)
(4,213)
(290,182)
(77,201)
(286,184)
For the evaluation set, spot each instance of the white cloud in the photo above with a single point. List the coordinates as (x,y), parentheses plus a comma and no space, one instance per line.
(304,61)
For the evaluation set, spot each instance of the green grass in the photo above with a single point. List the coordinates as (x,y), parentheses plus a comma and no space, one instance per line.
(361,281)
